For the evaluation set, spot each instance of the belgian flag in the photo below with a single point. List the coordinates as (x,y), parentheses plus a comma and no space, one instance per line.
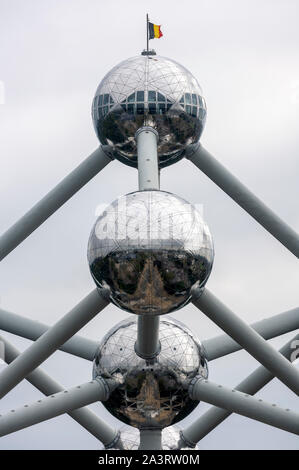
(154,31)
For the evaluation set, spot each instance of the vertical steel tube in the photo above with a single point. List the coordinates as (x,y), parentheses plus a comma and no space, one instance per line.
(148,169)
(150,439)
(147,345)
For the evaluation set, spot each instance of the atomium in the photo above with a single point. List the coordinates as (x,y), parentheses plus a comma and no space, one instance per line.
(130,439)
(149,91)
(147,252)
(150,248)
(152,394)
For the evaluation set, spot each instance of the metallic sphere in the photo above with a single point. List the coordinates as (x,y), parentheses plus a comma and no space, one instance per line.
(149,90)
(130,439)
(150,248)
(152,394)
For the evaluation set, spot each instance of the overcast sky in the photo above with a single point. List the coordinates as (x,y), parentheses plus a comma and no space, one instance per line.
(53,55)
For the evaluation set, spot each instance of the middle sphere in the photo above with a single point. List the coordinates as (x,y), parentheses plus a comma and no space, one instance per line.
(150,248)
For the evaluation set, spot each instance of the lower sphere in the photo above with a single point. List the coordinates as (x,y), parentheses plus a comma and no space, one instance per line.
(130,439)
(152,394)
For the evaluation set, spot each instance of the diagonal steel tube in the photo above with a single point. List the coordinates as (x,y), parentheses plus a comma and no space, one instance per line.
(31,329)
(53,201)
(54,405)
(215,416)
(85,348)
(245,405)
(248,339)
(268,328)
(201,158)
(50,341)
(43,382)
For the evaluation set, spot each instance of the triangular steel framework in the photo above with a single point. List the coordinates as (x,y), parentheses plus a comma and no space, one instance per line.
(63,335)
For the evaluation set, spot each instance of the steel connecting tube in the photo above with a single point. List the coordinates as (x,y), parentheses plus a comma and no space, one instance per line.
(147,345)
(48,386)
(50,203)
(55,405)
(243,404)
(148,168)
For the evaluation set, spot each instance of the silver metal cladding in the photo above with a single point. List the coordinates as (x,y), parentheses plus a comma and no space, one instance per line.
(150,248)
(151,394)
(171,439)
(149,91)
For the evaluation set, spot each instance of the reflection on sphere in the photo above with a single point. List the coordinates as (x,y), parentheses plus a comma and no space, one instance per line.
(149,91)
(130,439)
(150,248)
(152,394)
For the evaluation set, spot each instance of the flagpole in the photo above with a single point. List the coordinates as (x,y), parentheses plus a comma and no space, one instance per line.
(147,32)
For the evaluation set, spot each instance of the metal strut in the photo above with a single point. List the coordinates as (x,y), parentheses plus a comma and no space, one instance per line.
(147,344)
(54,405)
(249,339)
(215,416)
(47,344)
(215,347)
(54,200)
(245,405)
(242,196)
(43,382)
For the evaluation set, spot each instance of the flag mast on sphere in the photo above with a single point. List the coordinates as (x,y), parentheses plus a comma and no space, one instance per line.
(152,31)
(147,38)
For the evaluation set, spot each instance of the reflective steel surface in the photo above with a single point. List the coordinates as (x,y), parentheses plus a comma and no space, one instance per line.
(149,91)
(152,394)
(150,248)
(130,438)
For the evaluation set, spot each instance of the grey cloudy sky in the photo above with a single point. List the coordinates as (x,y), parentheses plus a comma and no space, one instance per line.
(53,55)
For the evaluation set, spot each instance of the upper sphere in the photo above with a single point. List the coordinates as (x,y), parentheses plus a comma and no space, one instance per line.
(149,91)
